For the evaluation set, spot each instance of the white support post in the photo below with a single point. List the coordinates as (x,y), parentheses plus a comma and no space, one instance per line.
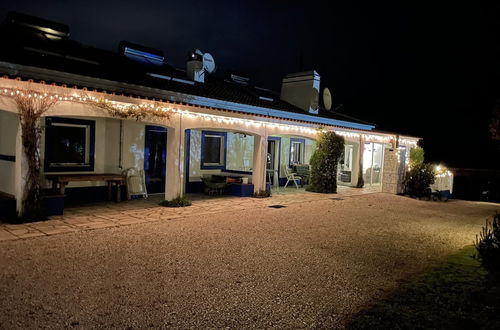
(20,171)
(259,163)
(390,174)
(174,185)
(361,170)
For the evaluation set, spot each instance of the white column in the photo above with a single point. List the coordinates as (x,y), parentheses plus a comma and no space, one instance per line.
(174,185)
(361,170)
(20,171)
(259,162)
(390,171)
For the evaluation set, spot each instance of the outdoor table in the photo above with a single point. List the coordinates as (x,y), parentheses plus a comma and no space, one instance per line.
(110,178)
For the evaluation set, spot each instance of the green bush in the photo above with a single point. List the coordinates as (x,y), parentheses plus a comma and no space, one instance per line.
(262,194)
(324,162)
(180,201)
(488,244)
(416,156)
(418,180)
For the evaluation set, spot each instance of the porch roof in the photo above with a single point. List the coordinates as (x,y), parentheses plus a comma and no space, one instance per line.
(31,56)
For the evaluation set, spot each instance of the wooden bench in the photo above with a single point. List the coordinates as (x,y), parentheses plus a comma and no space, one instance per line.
(60,181)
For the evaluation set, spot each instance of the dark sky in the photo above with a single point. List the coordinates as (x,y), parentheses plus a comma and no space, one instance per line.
(431,69)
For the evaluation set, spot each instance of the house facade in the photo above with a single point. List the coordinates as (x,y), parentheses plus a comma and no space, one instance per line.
(211,125)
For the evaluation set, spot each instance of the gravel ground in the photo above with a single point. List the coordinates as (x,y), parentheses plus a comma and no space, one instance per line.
(314,264)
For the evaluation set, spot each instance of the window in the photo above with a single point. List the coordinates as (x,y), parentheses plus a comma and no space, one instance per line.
(296,151)
(69,144)
(346,165)
(213,150)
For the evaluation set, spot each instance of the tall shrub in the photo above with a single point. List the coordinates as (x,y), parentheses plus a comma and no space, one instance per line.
(324,162)
(488,244)
(416,156)
(418,179)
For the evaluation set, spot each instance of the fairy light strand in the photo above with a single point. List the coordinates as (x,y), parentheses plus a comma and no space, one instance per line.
(158,109)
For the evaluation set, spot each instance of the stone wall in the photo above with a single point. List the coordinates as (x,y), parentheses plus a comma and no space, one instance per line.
(390,175)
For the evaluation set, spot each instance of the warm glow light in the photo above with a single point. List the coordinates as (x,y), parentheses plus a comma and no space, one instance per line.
(442,171)
(122,106)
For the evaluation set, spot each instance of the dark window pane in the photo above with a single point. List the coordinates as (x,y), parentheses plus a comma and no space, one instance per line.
(155,159)
(68,144)
(296,152)
(212,152)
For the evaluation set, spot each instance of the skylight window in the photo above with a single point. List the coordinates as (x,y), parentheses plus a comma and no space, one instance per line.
(141,54)
(135,54)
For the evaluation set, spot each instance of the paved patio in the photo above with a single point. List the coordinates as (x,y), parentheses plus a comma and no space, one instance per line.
(103,215)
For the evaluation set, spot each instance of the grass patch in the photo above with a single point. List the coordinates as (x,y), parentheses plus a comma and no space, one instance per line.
(262,194)
(177,202)
(458,294)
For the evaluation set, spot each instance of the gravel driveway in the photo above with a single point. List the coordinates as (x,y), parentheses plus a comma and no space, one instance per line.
(308,265)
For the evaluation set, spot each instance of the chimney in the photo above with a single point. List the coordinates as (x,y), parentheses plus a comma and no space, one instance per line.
(194,67)
(302,90)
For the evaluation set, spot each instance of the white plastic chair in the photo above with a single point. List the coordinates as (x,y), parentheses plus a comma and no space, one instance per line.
(291,177)
(136,184)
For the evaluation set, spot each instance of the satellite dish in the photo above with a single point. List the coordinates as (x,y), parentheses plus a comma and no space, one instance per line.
(327,99)
(208,63)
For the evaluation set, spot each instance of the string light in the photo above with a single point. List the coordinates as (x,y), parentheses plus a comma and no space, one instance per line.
(160,109)
(408,142)
(442,171)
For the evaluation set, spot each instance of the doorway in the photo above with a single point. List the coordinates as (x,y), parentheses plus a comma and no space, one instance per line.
(155,158)
(373,156)
(273,160)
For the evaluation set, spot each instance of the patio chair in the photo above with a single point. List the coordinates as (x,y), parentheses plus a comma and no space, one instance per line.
(135,182)
(291,177)
(303,171)
(213,187)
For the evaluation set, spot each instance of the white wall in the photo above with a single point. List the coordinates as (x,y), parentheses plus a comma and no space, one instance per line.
(309,148)
(133,144)
(107,148)
(195,172)
(8,129)
(355,164)
(239,154)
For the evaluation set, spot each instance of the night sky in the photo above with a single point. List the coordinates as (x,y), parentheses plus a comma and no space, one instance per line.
(427,69)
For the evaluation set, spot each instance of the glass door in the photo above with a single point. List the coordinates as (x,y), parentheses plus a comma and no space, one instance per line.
(373,157)
(272,162)
(378,158)
(155,157)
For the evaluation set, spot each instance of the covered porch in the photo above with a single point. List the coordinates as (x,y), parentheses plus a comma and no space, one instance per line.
(252,152)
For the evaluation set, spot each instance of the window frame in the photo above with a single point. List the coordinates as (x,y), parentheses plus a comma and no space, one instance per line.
(349,154)
(302,143)
(213,166)
(49,140)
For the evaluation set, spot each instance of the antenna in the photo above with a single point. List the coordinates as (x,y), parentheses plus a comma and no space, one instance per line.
(198,64)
